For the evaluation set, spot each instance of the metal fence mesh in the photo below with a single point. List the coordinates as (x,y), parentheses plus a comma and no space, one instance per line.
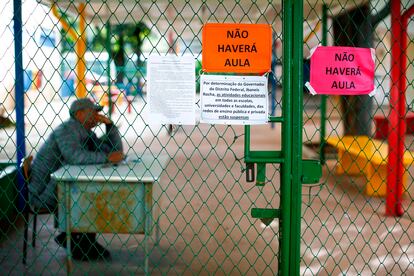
(344,230)
(201,200)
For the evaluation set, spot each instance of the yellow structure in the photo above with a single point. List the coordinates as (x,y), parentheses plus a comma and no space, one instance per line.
(362,155)
(80,49)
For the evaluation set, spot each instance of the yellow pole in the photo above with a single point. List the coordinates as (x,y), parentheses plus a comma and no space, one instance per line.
(80,50)
(71,32)
(80,47)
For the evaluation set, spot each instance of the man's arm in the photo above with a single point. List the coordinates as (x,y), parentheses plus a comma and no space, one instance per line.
(112,140)
(70,145)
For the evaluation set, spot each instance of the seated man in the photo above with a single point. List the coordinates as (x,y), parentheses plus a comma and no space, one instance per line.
(74,143)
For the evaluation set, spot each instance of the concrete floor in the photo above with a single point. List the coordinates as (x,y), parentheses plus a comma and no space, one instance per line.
(205,221)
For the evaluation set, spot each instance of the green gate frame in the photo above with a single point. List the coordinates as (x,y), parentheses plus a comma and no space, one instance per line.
(294,170)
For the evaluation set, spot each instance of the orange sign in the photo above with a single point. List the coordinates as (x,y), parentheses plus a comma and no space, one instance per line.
(237,48)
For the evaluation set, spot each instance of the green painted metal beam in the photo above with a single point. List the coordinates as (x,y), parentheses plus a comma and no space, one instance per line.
(265,215)
(286,169)
(297,128)
(323,97)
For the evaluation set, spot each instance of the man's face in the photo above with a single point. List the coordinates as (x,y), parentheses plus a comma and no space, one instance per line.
(87,117)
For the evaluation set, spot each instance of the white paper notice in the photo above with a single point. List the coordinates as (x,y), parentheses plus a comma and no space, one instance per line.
(237,100)
(171,90)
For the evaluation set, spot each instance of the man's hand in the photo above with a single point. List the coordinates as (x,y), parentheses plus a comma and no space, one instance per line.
(99,118)
(115,157)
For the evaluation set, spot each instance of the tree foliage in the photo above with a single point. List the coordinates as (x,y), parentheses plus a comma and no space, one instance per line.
(125,40)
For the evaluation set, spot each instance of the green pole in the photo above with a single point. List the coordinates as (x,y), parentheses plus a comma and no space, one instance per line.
(108,66)
(285,173)
(323,97)
(246,140)
(297,123)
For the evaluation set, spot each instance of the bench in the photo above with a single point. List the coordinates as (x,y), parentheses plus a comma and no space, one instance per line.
(362,155)
(381,125)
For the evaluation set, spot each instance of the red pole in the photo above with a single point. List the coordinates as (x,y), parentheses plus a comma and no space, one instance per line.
(401,120)
(396,149)
(402,107)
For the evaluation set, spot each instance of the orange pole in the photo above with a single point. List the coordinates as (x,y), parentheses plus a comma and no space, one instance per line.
(80,50)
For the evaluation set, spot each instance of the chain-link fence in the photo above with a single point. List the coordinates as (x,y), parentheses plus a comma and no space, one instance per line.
(180,202)
(346,227)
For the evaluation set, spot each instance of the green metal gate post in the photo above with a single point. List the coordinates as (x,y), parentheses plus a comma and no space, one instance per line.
(293,170)
(297,118)
(323,97)
(285,181)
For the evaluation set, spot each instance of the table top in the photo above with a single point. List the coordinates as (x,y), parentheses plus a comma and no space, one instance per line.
(145,168)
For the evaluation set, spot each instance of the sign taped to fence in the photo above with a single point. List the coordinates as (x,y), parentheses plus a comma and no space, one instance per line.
(171,89)
(237,100)
(237,48)
(342,71)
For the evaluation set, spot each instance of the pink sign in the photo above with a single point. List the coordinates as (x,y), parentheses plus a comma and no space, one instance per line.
(342,71)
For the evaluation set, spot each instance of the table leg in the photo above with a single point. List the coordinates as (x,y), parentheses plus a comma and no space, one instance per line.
(156,211)
(148,225)
(68,239)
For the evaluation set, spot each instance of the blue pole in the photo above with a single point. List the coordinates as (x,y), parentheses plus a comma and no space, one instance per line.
(19,96)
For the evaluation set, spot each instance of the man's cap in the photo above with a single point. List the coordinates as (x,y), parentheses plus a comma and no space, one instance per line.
(81,104)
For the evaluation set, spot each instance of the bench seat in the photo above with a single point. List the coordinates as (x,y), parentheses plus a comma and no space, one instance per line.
(362,155)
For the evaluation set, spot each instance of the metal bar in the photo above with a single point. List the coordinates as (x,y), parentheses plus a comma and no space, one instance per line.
(264,156)
(246,140)
(265,213)
(285,175)
(296,141)
(19,96)
(273,107)
(393,202)
(276,119)
(402,107)
(323,97)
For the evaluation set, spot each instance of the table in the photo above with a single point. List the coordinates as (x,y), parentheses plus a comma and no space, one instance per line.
(106,198)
